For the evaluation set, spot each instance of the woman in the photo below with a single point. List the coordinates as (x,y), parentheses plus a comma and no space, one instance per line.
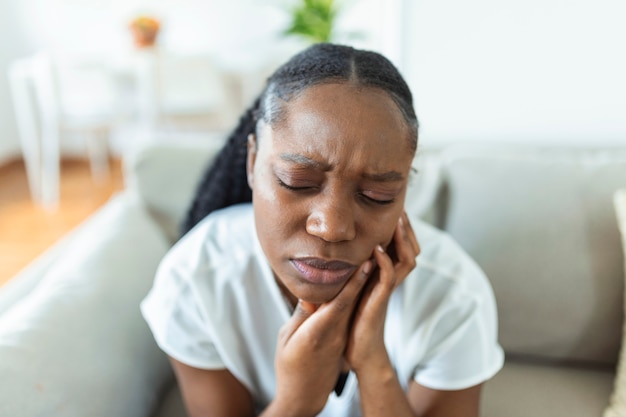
(310,300)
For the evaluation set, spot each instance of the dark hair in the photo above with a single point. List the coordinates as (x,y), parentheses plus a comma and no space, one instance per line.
(225,182)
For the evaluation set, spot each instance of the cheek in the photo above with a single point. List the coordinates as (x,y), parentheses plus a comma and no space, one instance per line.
(267,232)
(385,228)
(272,205)
(387,233)
(275,223)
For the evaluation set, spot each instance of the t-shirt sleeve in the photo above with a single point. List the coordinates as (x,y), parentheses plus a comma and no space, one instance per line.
(175,319)
(449,320)
(464,353)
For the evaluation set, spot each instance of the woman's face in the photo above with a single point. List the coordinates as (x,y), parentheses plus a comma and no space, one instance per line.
(328,184)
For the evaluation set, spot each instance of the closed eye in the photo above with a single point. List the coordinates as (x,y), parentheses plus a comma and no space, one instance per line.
(292,188)
(376,201)
(363,196)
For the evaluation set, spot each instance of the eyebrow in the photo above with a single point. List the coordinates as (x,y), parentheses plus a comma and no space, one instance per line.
(390,176)
(303,160)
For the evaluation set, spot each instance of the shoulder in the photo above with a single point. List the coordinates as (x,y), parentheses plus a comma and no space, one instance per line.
(444,321)
(189,302)
(223,226)
(446,280)
(224,239)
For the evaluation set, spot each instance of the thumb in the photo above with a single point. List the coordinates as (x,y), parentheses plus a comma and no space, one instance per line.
(307,307)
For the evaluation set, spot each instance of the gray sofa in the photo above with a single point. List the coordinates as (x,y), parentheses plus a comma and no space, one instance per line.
(539,221)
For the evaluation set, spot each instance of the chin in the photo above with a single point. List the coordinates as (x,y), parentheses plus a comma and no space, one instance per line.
(317,296)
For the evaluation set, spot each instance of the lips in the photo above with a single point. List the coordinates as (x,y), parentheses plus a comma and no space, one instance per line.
(323,272)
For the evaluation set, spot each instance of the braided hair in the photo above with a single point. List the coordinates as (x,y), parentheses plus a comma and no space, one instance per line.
(225,182)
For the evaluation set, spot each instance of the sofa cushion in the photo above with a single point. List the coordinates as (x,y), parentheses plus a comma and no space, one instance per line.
(166,174)
(541,224)
(77,345)
(424,188)
(526,389)
(172,404)
(618,399)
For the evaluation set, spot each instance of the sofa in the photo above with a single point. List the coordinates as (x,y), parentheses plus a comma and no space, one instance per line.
(539,220)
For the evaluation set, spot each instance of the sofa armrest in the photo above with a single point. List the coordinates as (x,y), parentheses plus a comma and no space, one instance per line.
(76,344)
(28,278)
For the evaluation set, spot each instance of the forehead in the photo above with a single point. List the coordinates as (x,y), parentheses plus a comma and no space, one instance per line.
(344,117)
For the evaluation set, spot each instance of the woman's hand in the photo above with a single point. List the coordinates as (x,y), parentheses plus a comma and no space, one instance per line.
(315,344)
(366,352)
(310,350)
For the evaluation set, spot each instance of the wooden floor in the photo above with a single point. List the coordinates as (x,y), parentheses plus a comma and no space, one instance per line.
(27,229)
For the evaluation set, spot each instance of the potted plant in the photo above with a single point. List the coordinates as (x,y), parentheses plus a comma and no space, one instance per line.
(313,20)
(145,30)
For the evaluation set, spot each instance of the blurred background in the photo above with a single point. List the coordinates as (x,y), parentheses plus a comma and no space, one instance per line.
(90,79)
(210,57)
(482,70)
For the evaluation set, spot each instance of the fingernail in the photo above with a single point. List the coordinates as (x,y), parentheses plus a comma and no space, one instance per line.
(367,267)
(380,249)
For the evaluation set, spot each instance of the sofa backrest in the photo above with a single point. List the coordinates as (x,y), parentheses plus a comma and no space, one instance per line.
(541,224)
(165,175)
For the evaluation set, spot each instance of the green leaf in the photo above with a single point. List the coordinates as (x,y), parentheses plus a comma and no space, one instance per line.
(314,20)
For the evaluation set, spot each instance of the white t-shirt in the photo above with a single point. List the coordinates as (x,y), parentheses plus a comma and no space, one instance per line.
(215,305)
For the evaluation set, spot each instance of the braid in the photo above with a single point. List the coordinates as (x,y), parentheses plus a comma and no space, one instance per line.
(225,183)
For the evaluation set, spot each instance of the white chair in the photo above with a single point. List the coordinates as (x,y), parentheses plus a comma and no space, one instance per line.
(51,100)
(180,92)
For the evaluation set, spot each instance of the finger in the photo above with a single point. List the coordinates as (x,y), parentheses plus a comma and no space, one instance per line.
(408,229)
(301,313)
(387,271)
(343,303)
(395,272)
(405,248)
(337,310)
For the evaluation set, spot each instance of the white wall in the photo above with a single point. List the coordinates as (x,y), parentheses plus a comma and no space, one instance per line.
(486,70)
(542,71)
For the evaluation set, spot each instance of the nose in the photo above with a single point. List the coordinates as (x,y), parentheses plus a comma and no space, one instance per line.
(332,220)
